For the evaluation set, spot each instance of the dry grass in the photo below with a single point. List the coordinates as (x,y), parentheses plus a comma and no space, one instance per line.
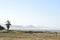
(20,35)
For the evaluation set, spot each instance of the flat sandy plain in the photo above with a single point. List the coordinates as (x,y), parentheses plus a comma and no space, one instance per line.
(18,35)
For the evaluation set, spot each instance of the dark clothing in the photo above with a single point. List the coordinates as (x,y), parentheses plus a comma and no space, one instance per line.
(8,26)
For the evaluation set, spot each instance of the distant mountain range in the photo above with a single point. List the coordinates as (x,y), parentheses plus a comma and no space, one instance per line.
(31,27)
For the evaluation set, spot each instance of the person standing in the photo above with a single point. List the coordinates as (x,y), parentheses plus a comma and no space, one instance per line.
(8,24)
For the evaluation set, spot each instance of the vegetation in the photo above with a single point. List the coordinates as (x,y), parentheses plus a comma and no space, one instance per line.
(2,28)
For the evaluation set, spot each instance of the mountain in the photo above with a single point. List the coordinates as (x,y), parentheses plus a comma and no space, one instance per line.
(31,27)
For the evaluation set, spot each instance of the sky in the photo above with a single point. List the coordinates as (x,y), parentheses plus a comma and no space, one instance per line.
(31,12)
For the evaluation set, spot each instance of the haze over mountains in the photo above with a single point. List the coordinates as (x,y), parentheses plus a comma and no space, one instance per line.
(31,27)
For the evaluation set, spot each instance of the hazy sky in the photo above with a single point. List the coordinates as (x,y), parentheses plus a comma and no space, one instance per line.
(31,12)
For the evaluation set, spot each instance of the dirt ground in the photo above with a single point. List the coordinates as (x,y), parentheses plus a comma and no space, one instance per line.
(29,36)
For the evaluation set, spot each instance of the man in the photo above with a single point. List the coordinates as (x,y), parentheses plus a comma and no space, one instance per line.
(8,25)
